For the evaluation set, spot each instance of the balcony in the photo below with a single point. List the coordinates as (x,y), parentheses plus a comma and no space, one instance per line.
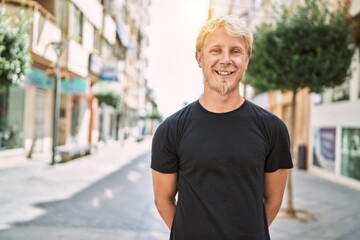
(76,58)
(43,29)
(92,9)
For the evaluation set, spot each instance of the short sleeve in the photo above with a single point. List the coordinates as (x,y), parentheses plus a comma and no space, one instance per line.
(164,156)
(279,156)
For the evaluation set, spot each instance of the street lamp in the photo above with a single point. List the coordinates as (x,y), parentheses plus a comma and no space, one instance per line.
(59,48)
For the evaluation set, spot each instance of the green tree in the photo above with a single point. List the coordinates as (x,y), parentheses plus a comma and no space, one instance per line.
(14,49)
(109,98)
(155,114)
(310,47)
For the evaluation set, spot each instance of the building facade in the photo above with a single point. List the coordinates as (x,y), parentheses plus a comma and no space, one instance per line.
(99,55)
(335,123)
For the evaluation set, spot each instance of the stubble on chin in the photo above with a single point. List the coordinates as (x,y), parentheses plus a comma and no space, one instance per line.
(222,88)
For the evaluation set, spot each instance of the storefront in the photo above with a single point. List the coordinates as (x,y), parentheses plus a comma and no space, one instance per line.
(74,118)
(11,118)
(38,111)
(25,113)
(110,86)
(336,153)
(74,121)
(335,137)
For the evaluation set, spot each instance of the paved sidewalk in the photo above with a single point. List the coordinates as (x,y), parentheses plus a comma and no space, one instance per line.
(334,209)
(24,182)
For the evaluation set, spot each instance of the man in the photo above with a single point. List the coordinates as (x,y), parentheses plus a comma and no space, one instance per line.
(225,157)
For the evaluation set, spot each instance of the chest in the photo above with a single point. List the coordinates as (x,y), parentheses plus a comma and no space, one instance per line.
(230,146)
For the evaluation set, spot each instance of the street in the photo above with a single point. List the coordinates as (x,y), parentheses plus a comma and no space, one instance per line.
(119,206)
(108,195)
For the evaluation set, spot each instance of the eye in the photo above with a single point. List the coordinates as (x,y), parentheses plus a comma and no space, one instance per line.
(237,51)
(215,51)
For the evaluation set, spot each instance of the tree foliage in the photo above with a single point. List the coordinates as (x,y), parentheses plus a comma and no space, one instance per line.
(109,98)
(155,115)
(14,49)
(309,47)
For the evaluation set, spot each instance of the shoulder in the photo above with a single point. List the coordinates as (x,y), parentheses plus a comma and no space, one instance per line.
(182,116)
(270,125)
(173,122)
(183,113)
(264,115)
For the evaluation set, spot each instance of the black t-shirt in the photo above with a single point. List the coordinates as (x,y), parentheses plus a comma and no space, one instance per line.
(220,159)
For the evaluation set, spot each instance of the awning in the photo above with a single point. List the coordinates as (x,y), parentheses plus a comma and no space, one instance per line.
(125,39)
(110,78)
(106,87)
(122,36)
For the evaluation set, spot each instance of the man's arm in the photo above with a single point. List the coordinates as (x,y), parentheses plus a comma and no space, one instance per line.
(165,189)
(274,187)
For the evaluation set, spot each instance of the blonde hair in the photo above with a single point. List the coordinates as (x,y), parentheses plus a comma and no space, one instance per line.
(233,25)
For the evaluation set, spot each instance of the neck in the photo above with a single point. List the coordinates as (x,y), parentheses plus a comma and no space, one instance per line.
(218,103)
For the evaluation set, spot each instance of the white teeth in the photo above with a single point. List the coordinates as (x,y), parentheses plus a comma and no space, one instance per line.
(223,73)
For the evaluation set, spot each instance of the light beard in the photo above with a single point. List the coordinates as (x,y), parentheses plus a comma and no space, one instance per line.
(222,88)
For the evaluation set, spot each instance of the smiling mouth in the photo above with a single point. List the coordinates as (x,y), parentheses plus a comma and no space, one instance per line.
(224,73)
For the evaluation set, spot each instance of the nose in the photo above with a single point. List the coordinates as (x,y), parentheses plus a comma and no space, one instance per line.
(225,58)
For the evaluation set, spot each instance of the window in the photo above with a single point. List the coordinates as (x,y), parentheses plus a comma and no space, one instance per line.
(350,153)
(324,148)
(106,49)
(75,118)
(62,14)
(97,40)
(341,93)
(120,51)
(11,117)
(77,24)
(358,65)
(336,94)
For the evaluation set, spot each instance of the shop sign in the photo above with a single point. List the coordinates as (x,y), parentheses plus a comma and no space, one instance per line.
(112,71)
(76,86)
(40,79)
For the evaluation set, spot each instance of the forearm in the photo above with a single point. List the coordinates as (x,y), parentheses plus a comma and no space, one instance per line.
(273,193)
(167,211)
(271,210)
(165,190)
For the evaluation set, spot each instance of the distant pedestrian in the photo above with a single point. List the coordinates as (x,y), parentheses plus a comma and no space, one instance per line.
(226,158)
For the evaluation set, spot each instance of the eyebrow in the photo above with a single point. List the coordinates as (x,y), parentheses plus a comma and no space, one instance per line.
(219,46)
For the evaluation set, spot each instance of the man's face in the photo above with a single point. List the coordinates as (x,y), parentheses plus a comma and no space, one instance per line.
(223,60)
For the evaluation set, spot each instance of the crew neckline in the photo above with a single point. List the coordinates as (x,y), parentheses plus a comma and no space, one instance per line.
(223,113)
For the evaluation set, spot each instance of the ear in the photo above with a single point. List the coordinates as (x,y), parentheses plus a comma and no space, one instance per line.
(247,61)
(198,58)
